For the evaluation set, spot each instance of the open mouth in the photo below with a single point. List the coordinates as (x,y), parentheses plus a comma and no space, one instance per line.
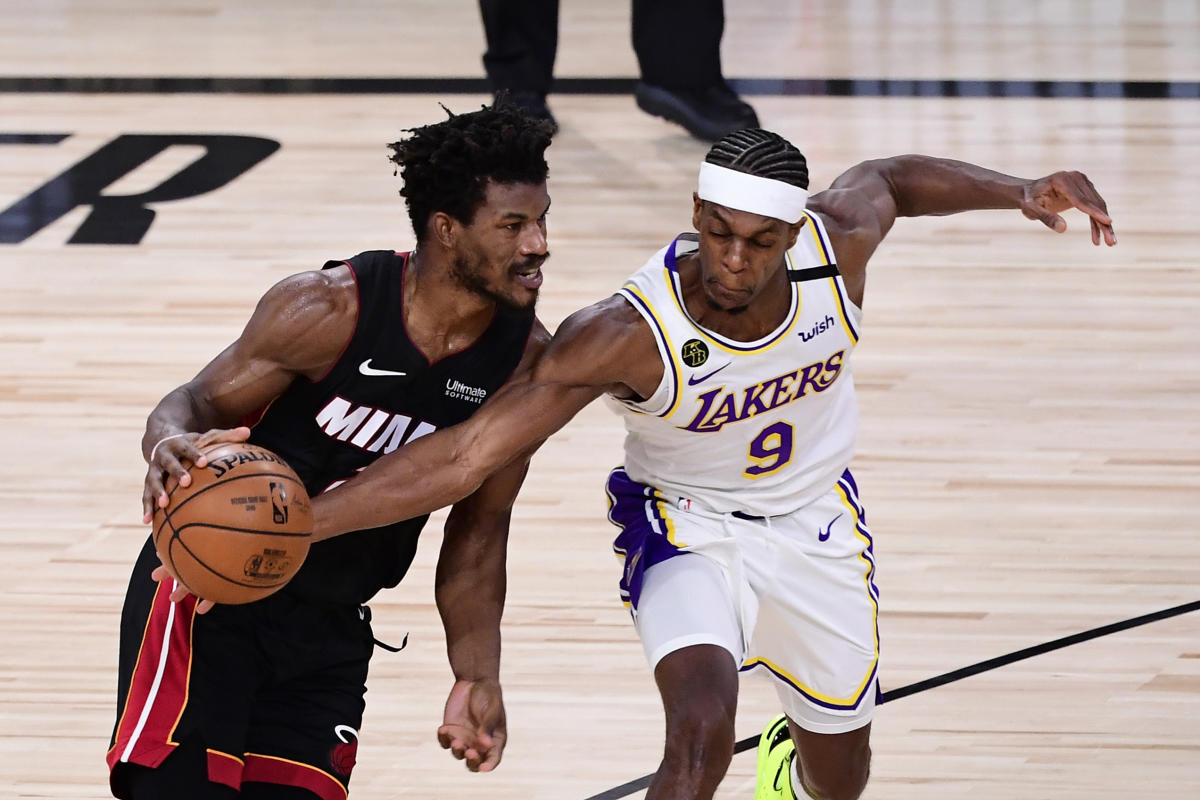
(530,278)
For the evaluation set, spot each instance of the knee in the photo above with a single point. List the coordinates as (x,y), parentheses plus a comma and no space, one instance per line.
(844,781)
(700,740)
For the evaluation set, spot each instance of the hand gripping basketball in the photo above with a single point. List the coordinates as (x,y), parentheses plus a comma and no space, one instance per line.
(238,530)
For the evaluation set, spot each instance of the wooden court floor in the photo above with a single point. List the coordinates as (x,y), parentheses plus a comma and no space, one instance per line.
(1030,444)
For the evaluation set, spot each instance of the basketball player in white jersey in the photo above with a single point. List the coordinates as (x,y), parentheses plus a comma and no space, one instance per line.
(744,541)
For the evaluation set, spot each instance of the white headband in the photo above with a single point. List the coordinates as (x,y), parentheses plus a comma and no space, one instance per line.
(733,189)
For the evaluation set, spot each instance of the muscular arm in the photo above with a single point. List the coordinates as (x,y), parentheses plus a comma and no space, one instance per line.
(863,203)
(605,347)
(298,328)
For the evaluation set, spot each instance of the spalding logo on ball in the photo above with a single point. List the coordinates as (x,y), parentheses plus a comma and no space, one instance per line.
(241,530)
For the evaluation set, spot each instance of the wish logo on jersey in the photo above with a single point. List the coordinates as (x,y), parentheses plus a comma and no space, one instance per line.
(824,325)
(719,407)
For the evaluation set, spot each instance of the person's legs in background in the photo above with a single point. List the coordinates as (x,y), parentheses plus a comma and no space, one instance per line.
(522,40)
(678,46)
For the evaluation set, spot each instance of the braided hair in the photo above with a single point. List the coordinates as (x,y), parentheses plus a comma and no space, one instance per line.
(761,153)
(446,166)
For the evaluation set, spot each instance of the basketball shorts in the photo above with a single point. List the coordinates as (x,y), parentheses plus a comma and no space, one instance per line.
(791,597)
(273,690)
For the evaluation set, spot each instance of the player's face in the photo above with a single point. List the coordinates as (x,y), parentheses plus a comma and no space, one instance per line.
(740,253)
(502,250)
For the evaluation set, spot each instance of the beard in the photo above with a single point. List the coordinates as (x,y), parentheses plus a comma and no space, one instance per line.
(468,273)
(735,310)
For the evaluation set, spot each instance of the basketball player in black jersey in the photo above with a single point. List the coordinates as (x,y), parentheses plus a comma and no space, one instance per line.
(731,281)
(334,369)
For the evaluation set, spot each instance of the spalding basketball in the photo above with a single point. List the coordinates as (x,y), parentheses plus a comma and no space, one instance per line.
(241,530)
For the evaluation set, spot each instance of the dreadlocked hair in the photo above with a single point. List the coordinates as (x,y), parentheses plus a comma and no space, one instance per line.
(446,166)
(762,153)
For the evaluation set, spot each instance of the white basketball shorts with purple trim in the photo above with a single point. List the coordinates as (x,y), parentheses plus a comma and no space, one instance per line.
(791,597)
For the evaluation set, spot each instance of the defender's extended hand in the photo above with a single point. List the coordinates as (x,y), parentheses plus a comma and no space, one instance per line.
(168,459)
(474,727)
(161,573)
(1046,197)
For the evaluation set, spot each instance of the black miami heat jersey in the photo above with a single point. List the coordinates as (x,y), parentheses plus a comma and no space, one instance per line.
(382,393)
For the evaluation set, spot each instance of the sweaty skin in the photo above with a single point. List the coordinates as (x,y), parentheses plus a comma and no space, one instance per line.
(732,285)
(300,328)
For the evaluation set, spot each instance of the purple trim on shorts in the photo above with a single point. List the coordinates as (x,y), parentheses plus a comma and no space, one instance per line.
(847,482)
(643,537)
(871,679)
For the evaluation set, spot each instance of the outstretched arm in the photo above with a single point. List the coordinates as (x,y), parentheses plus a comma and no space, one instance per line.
(602,348)
(863,203)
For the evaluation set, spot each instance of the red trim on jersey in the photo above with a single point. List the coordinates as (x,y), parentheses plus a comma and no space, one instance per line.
(225,769)
(357,316)
(166,701)
(272,769)
(255,417)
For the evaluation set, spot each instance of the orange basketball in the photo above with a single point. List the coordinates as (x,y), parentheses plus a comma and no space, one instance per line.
(241,530)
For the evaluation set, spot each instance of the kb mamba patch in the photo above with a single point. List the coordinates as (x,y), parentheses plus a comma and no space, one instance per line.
(694,352)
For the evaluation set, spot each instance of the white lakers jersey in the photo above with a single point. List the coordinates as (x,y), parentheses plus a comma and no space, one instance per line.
(761,427)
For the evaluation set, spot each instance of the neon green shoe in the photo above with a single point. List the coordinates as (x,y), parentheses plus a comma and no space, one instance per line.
(775,753)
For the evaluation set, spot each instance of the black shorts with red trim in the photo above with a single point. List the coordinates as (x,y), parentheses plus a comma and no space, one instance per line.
(273,689)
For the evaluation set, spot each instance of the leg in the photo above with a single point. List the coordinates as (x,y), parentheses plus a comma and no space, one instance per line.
(274,791)
(183,775)
(818,640)
(678,46)
(522,41)
(182,677)
(686,619)
(699,687)
(678,42)
(832,766)
(304,729)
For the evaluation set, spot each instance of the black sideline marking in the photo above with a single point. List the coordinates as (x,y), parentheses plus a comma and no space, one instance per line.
(788,87)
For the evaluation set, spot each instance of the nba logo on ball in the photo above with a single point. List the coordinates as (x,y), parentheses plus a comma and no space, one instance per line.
(218,535)
(279,509)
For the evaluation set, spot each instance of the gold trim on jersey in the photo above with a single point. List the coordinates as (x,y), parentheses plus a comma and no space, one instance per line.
(835,283)
(660,331)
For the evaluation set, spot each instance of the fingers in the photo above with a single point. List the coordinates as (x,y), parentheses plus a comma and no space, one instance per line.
(1036,209)
(1077,190)
(1083,195)
(218,436)
(170,459)
(493,755)
(179,592)
(478,750)
(150,492)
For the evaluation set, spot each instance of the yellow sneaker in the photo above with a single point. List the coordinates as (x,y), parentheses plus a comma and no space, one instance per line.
(775,753)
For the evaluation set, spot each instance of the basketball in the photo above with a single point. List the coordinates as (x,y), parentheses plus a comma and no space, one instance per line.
(240,531)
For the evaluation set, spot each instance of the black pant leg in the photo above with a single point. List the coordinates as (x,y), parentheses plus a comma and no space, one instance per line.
(678,42)
(182,776)
(522,40)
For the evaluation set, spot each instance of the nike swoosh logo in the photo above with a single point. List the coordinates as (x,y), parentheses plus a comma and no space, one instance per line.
(693,380)
(366,369)
(823,535)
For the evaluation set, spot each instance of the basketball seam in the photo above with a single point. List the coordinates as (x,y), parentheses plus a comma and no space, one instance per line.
(258,531)
(225,481)
(235,582)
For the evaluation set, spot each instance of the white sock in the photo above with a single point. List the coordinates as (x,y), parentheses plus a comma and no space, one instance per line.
(799,790)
